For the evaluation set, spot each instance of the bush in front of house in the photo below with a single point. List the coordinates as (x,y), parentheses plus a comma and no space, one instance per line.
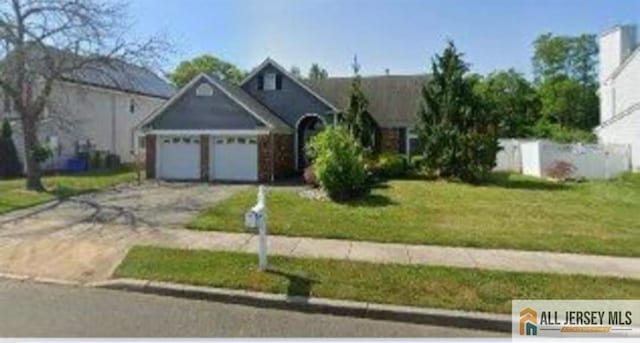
(112,161)
(389,165)
(339,164)
(10,165)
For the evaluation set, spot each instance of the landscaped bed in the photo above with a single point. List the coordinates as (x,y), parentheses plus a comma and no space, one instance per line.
(453,288)
(13,194)
(512,211)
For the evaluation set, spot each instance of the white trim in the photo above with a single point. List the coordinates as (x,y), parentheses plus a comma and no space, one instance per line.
(207,132)
(295,136)
(408,137)
(291,77)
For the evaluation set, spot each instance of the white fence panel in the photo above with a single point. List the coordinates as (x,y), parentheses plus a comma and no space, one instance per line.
(591,161)
(509,158)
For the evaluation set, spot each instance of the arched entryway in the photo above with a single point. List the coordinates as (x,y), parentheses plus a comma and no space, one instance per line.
(308,126)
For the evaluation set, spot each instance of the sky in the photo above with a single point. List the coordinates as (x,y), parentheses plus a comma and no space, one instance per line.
(399,35)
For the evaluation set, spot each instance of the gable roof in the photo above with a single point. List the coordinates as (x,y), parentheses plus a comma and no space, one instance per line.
(251,104)
(122,76)
(394,100)
(98,71)
(236,94)
(268,61)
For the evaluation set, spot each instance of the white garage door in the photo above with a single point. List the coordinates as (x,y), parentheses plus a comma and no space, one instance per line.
(235,159)
(179,158)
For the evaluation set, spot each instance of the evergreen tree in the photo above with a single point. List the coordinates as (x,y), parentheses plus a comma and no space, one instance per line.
(317,73)
(456,133)
(10,165)
(357,119)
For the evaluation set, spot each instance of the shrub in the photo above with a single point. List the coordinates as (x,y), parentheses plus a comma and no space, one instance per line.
(418,163)
(310,177)
(112,161)
(389,165)
(96,161)
(41,153)
(339,163)
(560,170)
(10,165)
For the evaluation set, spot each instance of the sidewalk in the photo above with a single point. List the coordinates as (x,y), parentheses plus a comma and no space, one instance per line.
(87,252)
(494,259)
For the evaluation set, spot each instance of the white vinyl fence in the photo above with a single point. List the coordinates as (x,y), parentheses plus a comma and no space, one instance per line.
(509,157)
(591,161)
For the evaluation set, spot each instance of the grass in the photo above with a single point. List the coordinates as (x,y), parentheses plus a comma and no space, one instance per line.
(14,196)
(511,211)
(426,286)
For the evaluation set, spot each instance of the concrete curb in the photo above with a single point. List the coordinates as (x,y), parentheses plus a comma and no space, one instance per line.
(417,315)
(40,279)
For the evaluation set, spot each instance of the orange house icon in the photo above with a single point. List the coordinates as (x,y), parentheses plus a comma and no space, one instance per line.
(528,322)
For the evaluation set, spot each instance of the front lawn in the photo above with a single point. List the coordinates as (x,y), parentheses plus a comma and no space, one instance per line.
(513,211)
(14,196)
(427,286)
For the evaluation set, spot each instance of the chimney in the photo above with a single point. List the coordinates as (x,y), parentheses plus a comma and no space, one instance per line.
(616,44)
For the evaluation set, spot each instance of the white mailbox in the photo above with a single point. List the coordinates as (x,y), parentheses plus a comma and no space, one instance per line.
(256,217)
(250,220)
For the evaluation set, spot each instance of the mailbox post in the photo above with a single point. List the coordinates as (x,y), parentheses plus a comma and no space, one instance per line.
(256,217)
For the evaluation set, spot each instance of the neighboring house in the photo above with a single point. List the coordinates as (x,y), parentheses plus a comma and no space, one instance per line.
(620,89)
(95,109)
(213,130)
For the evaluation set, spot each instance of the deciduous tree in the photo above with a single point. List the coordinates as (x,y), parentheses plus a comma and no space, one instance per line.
(512,100)
(209,64)
(45,41)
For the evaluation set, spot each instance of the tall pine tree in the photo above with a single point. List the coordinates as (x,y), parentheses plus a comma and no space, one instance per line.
(10,165)
(357,118)
(456,133)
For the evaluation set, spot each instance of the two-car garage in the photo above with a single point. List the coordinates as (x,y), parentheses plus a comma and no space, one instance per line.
(231,158)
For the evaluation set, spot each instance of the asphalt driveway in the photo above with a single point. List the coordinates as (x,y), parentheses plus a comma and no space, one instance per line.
(84,238)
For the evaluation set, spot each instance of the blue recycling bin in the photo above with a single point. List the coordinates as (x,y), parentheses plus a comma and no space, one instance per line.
(76,165)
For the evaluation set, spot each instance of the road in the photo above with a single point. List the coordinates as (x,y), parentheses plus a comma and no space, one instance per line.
(45,310)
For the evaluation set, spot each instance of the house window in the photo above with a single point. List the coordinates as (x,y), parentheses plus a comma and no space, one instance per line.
(270,81)
(132,106)
(413,144)
(204,90)
(141,142)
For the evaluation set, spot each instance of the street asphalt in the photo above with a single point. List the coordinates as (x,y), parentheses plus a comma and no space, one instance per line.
(44,310)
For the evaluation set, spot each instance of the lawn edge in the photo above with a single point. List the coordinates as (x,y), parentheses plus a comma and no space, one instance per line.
(417,315)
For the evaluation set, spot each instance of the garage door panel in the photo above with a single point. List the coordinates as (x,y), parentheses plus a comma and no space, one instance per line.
(179,158)
(235,159)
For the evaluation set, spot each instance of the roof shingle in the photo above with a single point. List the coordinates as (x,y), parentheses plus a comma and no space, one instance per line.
(393,99)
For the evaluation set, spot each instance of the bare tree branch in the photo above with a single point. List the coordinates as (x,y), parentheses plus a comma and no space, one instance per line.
(43,42)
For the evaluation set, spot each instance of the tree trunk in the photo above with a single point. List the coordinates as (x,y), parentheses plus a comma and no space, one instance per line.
(34,173)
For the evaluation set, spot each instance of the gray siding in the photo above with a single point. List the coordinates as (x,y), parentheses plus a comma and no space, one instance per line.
(290,103)
(191,112)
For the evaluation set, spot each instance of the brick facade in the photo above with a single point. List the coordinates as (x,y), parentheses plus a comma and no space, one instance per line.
(390,140)
(204,158)
(277,161)
(150,156)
